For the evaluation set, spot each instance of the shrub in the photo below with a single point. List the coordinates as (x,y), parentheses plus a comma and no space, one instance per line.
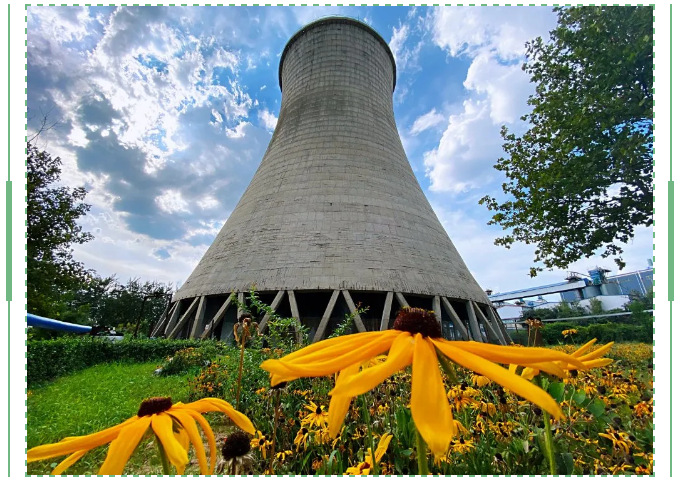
(48,359)
(604,333)
(188,358)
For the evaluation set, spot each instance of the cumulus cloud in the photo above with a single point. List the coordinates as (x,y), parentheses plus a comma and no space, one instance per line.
(427,121)
(501,31)
(496,88)
(268,119)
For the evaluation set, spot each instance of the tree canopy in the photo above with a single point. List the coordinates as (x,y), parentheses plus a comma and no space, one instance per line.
(580,179)
(52,228)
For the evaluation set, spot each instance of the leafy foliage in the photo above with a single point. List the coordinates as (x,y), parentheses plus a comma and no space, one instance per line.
(48,359)
(581,177)
(51,229)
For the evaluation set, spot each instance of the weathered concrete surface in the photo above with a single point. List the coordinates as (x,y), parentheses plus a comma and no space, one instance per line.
(334,203)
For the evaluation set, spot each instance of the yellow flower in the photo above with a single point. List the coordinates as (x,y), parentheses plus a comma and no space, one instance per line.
(367,465)
(415,341)
(480,380)
(562,367)
(620,440)
(317,416)
(281,456)
(174,426)
(462,447)
(566,332)
(302,438)
(260,442)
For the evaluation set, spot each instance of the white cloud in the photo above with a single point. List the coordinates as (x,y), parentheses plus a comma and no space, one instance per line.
(506,87)
(503,31)
(268,119)
(238,131)
(208,202)
(64,24)
(497,89)
(426,121)
(406,58)
(468,148)
(171,201)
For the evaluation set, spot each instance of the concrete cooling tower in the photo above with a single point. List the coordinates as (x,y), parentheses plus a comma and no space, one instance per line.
(334,216)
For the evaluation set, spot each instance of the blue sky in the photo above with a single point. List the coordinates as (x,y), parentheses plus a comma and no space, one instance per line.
(165,112)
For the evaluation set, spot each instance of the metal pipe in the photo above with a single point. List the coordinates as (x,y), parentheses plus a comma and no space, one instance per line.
(53,324)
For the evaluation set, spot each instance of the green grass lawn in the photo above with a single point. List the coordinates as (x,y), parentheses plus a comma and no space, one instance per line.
(95,399)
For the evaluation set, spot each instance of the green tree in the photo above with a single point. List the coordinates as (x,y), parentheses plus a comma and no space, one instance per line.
(581,177)
(52,228)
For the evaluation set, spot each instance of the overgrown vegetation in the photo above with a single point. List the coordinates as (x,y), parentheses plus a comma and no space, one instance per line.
(48,359)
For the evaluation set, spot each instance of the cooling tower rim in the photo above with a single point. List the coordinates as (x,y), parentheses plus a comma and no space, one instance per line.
(335,20)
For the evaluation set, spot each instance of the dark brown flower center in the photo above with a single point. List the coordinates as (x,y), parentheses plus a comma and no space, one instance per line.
(416,320)
(319,411)
(154,405)
(236,445)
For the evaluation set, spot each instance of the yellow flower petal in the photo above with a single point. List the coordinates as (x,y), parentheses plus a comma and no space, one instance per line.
(121,448)
(549,367)
(189,427)
(510,354)
(339,404)
(583,348)
(326,345)
(428,401)
(217,405)
(320,351)
(382,447)
(598,363)
(74,444)
(208,435)
(162,427)
(68,462)
(400,356)
(597,353)
(503,377)
(328,367)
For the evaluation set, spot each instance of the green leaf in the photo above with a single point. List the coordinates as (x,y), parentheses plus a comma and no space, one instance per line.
(579,397)
(556,390)
(597,408)
(564,464)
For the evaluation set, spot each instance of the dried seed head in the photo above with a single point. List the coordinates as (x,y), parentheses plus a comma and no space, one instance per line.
(236,445)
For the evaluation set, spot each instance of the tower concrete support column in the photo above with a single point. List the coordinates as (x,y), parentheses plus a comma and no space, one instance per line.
(386,312)
(326,316)
(457,322)
(185,317)
(473,322)
(274,306)
(198,321)
(214,322)
(352,308)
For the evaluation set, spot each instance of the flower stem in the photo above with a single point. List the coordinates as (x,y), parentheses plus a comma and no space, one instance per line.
(240,370)
(366,416)
(549,443)
(163,458)
(275,428)
(422,466)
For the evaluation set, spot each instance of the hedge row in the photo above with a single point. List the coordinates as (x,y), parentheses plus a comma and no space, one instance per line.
(48,359)
(604,333)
